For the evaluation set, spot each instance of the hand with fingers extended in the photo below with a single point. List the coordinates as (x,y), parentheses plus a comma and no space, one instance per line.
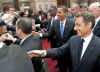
(36,53)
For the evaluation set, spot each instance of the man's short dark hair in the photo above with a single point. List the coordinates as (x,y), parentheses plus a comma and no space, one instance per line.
(87,17)
(25,24)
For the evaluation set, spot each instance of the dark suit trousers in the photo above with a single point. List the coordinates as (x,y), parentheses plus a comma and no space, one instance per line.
(64,65)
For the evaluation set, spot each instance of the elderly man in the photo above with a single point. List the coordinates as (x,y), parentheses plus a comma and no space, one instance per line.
(95,9)
(75,9)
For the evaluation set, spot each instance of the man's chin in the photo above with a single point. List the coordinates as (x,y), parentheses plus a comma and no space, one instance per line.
(78,34)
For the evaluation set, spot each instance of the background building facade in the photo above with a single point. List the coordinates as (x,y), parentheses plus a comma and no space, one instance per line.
(41,4)
(35,4)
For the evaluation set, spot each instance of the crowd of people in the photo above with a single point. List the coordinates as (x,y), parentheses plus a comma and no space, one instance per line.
(73,34)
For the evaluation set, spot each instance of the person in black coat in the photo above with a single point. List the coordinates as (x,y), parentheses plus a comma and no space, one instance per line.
(95,10)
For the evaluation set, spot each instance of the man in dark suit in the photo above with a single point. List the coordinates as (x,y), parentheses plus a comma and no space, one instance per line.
(28,40)
(68,27)
(62,29)
(85,56)
(95,9)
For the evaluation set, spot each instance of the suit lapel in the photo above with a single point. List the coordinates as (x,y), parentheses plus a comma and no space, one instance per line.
(77,50)
(66,26)
(97,26)
(58,28)
(28,38)
(89,50)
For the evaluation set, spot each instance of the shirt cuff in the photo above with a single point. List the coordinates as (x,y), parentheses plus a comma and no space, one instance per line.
(44,53)
(41,35)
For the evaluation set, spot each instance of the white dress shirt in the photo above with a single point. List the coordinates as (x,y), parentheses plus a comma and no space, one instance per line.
(41,35)
(86,43)
(63,22)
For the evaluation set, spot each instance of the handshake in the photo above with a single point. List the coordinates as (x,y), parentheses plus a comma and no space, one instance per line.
(37,53)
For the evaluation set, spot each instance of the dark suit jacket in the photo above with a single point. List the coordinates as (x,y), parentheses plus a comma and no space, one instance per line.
(33,43)
(14,59)
(96,30)
(55,32)
(90,62)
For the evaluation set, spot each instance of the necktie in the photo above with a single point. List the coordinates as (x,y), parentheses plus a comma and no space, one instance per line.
(62,29)
(81,47)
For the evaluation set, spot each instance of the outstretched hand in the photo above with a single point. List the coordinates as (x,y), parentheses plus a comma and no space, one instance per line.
(36,53)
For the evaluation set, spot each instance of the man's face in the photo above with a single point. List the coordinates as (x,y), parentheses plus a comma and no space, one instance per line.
(49,17)
(95,12)
(61,14)
(75,10)
(81,27)
(3,29)
(11,10)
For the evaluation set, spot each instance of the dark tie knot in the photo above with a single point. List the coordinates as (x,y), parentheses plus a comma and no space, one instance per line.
(81,43)
(81,47)
(82,40)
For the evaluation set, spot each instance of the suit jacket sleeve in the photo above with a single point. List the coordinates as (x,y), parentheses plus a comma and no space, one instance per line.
(58,52)
(51,31)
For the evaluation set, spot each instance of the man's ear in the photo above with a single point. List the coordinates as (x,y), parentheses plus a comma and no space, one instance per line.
(19,31)
(90,25)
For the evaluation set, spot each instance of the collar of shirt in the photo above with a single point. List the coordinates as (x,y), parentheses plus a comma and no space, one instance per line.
(86,43)
(88,38)
(24,39)
(63,22)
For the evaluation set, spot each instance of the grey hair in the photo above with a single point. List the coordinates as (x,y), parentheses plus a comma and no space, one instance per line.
(94,5)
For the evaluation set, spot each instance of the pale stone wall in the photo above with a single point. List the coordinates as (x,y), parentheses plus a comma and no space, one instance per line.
(44,4)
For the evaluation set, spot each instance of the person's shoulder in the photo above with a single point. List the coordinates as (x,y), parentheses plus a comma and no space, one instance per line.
(35,38)
(15,47)
(96,38)
(74,37)
(55,20)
